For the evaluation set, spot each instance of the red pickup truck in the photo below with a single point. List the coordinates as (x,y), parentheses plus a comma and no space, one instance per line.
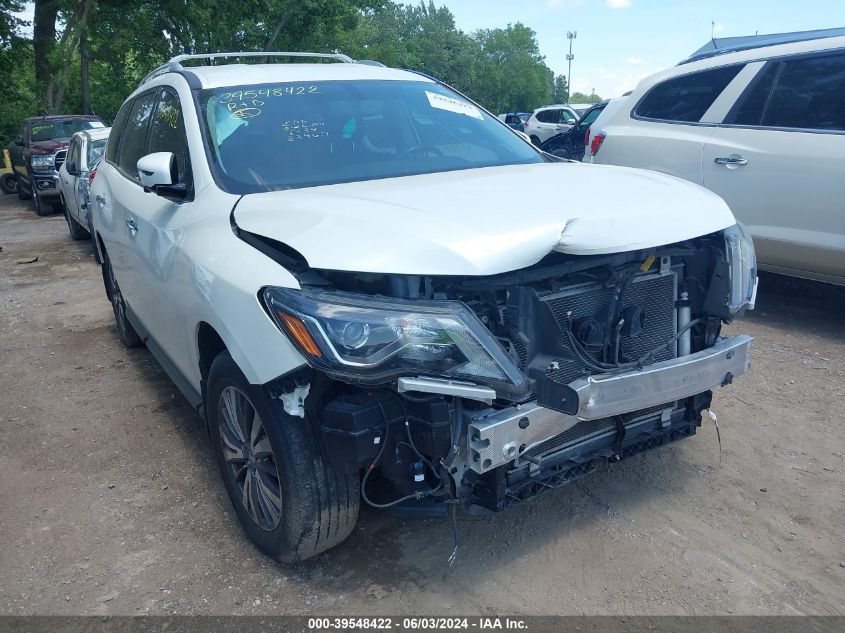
(39,151)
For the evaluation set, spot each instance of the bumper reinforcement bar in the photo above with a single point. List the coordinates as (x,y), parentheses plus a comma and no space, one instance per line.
(497,437)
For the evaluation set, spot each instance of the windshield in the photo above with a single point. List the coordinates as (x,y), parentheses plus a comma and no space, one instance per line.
(46,130)
(288,135)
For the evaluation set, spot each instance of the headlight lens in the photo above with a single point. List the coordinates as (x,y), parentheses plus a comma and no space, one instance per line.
(743,268)
(41,162)
(373,340)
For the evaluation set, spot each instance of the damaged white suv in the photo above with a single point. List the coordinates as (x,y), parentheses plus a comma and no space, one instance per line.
(332,263)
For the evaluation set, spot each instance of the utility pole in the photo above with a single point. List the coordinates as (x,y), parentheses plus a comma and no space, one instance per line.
(570,35)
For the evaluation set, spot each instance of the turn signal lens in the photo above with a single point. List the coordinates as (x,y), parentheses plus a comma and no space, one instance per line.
(300,333)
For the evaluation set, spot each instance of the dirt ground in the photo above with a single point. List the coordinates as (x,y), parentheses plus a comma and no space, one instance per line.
(110,502)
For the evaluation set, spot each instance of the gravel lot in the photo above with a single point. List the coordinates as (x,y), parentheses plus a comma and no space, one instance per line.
(111,503)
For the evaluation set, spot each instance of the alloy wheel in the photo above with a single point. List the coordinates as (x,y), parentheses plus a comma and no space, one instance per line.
(249,458)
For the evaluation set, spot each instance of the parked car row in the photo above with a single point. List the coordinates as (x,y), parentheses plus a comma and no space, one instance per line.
(38,153)
(53,162)
(764,128)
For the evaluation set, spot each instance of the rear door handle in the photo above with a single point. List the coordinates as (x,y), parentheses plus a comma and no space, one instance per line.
(731,160)
(133,227)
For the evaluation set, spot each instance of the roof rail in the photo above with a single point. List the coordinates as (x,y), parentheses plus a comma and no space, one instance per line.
(175,64)
(724,45)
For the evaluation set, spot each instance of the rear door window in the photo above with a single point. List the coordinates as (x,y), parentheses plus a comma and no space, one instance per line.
(809,93)
(686,98)
(548,116)
(133,144)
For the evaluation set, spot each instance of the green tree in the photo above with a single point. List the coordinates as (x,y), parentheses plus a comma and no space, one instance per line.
(580,97)
(560,94)
(514,76)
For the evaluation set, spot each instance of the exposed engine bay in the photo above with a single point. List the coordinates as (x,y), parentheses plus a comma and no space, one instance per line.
(593,339)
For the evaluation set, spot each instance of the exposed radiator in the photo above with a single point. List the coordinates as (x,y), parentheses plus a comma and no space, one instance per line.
(654,293)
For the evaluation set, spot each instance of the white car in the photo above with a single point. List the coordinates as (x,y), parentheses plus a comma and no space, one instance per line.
(547,121)
(332,263)
(765,129)
(596,132)
(75,175)
(579,108)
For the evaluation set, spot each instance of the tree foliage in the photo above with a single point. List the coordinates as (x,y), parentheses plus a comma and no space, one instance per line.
(580,97)
(122,41)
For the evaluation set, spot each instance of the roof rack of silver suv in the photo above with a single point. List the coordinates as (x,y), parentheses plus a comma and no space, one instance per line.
(176,63)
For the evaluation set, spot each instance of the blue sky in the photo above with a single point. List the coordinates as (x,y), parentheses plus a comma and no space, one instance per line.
(622,41)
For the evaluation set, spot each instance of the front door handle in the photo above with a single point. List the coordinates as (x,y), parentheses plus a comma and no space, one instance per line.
(731,160)
(133,227)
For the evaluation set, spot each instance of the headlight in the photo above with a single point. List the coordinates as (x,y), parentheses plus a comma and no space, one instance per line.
(743,268)
(373,340)
(41,162)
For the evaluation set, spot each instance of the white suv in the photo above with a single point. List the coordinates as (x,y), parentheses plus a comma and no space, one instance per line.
(332,264)
(547,121)
(765,129)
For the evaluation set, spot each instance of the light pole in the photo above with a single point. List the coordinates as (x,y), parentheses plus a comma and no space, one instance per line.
(570,35)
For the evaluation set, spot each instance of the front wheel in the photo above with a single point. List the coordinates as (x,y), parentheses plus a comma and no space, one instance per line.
(125,331)
(77,231)
(290,500)
(42,208)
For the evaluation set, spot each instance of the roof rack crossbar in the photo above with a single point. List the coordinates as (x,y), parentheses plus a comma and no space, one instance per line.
(176,62)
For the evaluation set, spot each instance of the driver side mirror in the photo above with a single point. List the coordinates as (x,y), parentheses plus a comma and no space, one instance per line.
(158,174)
(19,141)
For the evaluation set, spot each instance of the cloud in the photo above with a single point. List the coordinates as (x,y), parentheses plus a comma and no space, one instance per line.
(618,4)
(635,61)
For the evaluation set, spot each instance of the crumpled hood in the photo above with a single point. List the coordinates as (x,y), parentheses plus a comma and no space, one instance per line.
(483,221)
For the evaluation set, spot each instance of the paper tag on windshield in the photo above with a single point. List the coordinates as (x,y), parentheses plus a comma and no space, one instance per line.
(442,102)
(94,124)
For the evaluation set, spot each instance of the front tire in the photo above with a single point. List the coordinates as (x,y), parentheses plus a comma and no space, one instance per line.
(41,208)
(290,500)
(125,331)
(77,231)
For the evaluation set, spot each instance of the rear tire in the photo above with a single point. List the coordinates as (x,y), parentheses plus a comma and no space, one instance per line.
(290,500)
(8,183)
(128,336)
(77,231)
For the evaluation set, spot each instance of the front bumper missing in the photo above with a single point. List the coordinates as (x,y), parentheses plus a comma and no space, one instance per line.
(498,437)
